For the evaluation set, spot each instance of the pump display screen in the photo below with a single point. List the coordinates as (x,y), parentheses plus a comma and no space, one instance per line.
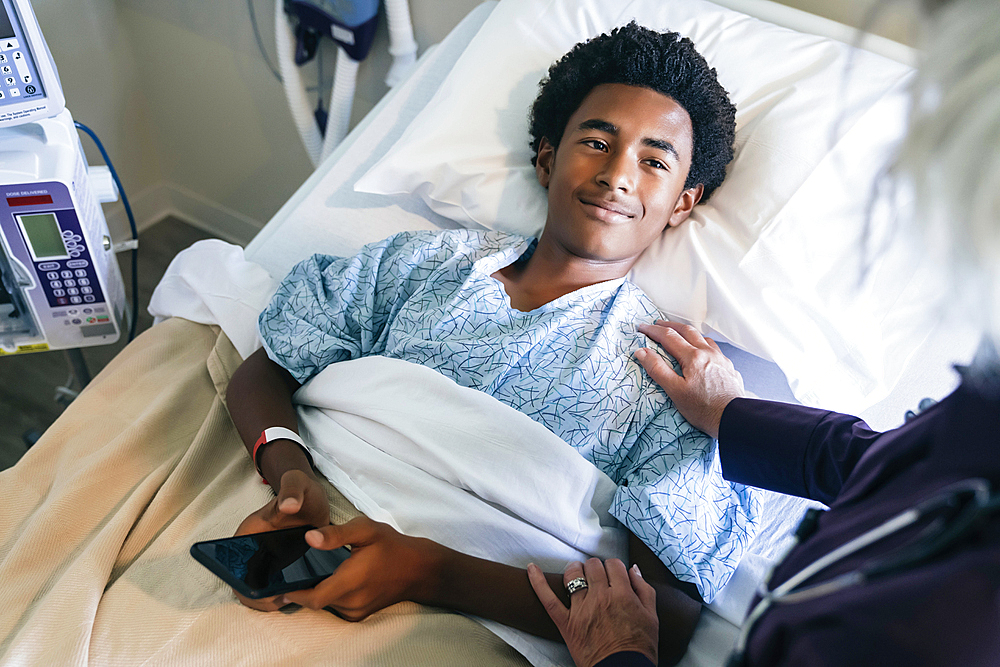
(6,29)
(43,235)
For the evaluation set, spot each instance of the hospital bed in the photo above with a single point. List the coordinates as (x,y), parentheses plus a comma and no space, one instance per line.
(99,515)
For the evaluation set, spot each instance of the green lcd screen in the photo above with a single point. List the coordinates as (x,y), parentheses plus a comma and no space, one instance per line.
(44,236)
(6,29)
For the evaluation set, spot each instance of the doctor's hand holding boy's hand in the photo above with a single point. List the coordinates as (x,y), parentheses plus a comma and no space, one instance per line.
(709,380)
(300,501)
(615,612)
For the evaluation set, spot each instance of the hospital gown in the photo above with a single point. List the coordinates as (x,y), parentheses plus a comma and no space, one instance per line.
(429,298)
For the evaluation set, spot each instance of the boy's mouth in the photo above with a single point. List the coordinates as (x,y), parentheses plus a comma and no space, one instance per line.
(606,210)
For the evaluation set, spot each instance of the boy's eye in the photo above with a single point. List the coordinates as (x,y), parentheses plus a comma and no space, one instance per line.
(656,164)
(596,143)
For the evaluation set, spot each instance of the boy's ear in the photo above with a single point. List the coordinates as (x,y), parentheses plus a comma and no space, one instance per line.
(685,204)
(543,162)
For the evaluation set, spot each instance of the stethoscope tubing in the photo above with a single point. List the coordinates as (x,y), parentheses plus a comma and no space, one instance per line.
(786,593)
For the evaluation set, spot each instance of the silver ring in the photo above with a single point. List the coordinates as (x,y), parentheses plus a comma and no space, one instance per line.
(575,585)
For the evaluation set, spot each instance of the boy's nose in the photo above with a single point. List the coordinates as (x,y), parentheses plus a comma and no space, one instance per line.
(617,174)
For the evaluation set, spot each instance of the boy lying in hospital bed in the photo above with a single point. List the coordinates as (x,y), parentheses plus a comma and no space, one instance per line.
(630,131)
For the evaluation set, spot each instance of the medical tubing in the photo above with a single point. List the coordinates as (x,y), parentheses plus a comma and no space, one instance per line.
(401,40)
(402,45)
(984,503)
(131,222)
(341,102)
(291,79)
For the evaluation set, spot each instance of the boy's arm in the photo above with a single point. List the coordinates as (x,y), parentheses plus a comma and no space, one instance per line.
(259,397)
(387,567)
(678,604)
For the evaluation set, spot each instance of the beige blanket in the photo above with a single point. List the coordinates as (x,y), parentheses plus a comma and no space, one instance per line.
(97,518)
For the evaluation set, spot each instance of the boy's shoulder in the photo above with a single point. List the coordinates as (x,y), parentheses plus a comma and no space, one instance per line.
(633,294)
(452,242)
(460,237)
(416,248)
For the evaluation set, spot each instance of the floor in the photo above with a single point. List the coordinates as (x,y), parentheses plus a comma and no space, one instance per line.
(29,382)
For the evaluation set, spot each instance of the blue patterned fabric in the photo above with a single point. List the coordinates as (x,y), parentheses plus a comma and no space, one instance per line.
(429,298)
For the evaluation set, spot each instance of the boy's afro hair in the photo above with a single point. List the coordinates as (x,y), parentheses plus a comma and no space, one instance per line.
(636,56)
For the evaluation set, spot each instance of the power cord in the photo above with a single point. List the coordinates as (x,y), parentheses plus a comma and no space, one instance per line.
(131,222)
(260,42)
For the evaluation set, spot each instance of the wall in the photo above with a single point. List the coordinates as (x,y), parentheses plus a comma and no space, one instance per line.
(196,121)
(93,52)
(227,151)
(895,20)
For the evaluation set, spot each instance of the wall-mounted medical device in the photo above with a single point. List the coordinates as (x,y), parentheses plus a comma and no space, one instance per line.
(29,81)
(60,285)
(299,26)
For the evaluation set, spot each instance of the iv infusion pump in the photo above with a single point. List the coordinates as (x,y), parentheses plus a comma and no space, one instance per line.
(60,285)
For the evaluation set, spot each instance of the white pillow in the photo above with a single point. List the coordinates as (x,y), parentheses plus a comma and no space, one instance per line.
(766,263)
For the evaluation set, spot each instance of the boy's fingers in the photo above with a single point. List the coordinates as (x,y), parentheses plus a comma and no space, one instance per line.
(327,537)
(266,604)
(289,504)
(291,496)
(356,531)
(331,591)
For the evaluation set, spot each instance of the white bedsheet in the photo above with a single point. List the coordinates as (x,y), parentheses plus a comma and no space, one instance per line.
(409,447)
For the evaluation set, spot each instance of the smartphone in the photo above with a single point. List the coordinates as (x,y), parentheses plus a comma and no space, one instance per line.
(264,564)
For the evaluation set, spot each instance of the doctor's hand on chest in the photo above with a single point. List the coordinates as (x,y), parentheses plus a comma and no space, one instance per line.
(708,382)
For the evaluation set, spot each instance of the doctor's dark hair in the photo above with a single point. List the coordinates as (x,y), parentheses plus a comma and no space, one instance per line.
(636,56)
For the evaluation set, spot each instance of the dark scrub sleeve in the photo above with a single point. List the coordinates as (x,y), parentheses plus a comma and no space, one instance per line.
(790,448)
(626,659)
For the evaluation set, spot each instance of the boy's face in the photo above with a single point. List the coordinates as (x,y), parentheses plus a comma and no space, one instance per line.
(617,178)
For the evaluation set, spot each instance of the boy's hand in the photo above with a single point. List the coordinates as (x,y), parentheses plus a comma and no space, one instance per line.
(709,382)
(385,567)
(300,501)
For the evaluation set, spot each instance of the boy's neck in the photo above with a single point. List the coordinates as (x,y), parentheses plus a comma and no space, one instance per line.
(550,273)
